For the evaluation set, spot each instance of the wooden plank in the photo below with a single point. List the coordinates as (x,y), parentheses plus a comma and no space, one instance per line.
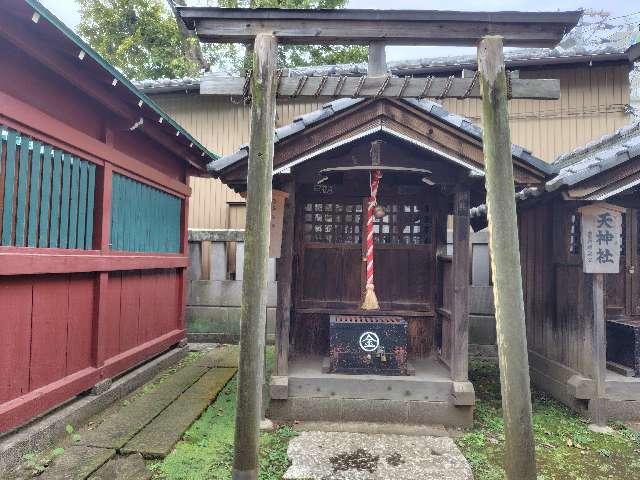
(114,225)
(599,346)
(64,201)
(82,205)
(130,310)
(14,261)
(91,186)
(3,150)
(102,215)
(45,198)
(74,203)
(21,200)
(49,330)
(395,27)
(284,266)
(26,407)
(9,180)
(34,195)
(109,326)
(15,336)
(80,322)
(56,185)
(382,86)
(460,265)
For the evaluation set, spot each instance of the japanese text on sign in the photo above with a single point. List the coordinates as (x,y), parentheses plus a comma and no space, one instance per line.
(601,238)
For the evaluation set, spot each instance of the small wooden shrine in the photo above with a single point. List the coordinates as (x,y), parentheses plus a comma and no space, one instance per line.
(583,335)
(430,164)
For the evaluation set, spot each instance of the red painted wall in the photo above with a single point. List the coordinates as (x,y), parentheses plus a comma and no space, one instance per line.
(71,318)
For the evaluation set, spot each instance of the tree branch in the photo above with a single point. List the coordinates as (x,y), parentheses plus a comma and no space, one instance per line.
(194,52)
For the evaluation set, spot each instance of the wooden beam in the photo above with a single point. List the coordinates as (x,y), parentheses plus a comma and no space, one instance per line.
(461,263)
(598,405)
(377,64)
(519,456)
(284,272)
(23,261)
(382,86)
(395,27)
(32,121)
(256,248)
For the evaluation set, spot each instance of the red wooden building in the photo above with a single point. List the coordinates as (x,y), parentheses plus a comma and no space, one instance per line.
(93,207)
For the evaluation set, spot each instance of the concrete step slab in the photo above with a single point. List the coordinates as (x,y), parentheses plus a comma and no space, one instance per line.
(350,456)
(157,439)
(77,463)
(118,429)
(123,467)
(374,428)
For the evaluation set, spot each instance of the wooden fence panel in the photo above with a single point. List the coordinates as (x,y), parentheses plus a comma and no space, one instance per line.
(143,218)
(36,210)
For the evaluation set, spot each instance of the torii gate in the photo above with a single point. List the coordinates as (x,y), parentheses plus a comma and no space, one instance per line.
(489,31)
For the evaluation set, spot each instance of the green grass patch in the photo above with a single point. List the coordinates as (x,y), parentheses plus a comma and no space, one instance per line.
(565,448)
(206,450)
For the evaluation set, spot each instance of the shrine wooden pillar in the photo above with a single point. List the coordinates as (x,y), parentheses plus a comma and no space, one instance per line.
(284,271)
(460,264)
(254,285)
(513,359)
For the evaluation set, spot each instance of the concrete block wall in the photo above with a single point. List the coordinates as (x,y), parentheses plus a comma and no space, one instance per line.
(213,303)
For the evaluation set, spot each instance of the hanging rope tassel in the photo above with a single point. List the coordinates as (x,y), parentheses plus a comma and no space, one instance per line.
(370,300)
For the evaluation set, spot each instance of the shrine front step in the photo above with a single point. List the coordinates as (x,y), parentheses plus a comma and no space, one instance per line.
(371,387)
(420,412)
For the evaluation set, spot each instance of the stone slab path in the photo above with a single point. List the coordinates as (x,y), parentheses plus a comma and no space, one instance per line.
(149,425)
(158,438)
(358,456)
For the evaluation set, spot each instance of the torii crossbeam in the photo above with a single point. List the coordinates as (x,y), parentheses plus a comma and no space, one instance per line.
(489,31)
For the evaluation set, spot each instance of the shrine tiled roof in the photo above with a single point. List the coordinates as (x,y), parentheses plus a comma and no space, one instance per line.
(432,108)
(596,157)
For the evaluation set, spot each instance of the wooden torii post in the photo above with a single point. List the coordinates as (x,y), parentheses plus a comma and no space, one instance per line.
(489,31)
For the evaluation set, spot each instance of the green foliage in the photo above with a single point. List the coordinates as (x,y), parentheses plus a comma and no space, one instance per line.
(303,55)
(565,447)
(38,463)
(139,37)
(142,39)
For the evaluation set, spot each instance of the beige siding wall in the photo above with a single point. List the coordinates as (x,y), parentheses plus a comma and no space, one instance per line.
(591,104)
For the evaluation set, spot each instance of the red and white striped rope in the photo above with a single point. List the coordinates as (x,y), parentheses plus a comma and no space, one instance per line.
(375,181)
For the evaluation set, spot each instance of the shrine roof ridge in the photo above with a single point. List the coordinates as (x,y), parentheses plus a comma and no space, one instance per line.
(596,157)
(432,108)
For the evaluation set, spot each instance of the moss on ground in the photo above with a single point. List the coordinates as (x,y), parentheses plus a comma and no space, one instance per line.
(565,448)
(206,450)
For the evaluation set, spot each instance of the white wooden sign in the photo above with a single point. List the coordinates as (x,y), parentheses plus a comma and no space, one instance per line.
(601,236)
(277,217)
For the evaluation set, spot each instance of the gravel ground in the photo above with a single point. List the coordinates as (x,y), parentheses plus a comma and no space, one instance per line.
(357,456)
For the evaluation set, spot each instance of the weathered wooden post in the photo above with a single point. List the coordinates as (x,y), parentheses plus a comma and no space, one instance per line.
(520,463)
(254,286)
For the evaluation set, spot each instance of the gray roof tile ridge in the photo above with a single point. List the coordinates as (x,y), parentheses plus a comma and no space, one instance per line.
(331,108)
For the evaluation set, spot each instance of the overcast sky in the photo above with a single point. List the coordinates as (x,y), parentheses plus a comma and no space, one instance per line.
(67,11)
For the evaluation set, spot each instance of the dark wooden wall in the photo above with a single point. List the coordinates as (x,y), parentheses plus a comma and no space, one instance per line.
(558,306)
